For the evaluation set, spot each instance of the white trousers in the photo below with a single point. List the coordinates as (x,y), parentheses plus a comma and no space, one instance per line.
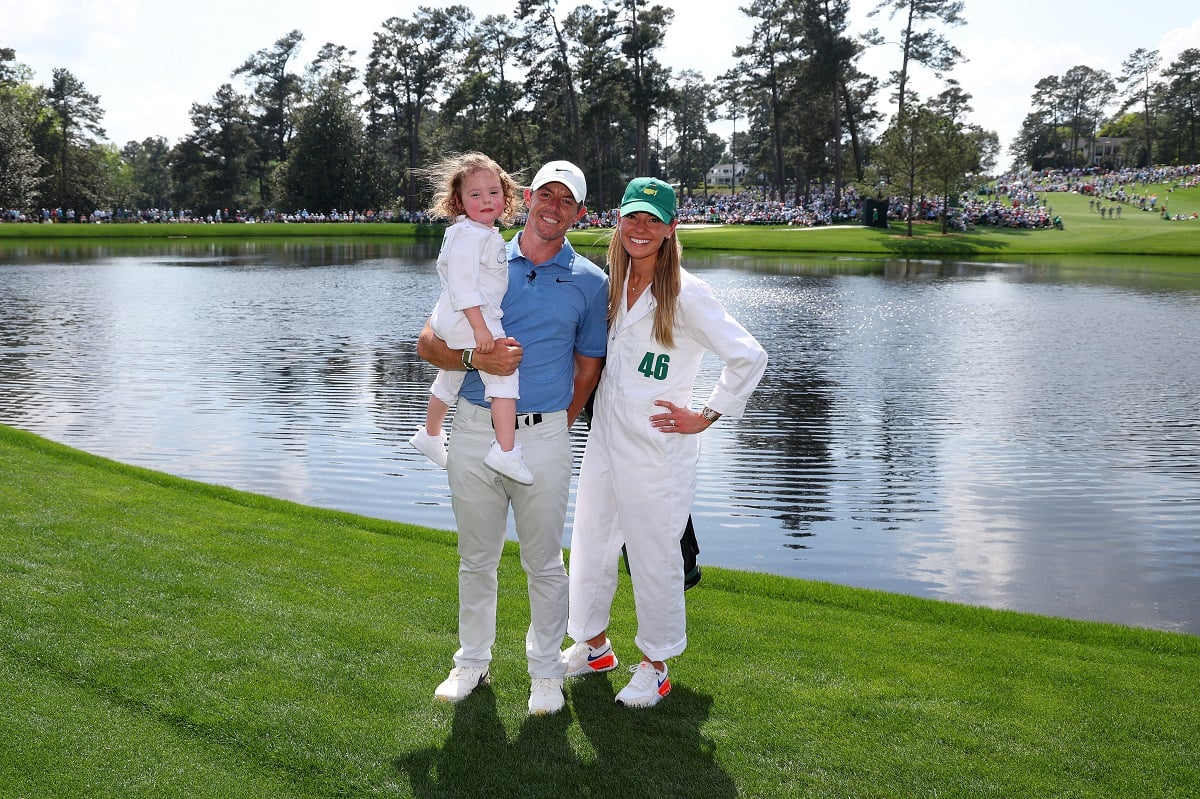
(481,499)
(449,382)
(636,487)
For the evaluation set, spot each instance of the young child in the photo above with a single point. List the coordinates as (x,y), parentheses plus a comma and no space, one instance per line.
(473,269)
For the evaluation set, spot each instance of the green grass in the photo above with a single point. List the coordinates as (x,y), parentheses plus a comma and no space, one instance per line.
(165,638)
(1084,233)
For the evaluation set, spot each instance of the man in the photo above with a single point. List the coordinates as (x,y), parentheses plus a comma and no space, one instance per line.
(555,313)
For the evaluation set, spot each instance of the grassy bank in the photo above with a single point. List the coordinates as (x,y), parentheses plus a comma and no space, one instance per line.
(1084,233)
(162,638)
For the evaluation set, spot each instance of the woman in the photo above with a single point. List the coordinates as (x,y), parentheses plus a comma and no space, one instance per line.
(638,476)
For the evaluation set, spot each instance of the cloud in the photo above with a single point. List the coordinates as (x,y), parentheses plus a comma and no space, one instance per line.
(1177,40)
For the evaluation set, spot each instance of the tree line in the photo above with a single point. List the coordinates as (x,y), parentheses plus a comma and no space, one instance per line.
(340,133)
(1156,115)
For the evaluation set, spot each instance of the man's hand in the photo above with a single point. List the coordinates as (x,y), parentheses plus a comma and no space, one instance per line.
(503,360)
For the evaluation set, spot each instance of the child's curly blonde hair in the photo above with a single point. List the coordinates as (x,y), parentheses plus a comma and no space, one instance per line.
(446,179)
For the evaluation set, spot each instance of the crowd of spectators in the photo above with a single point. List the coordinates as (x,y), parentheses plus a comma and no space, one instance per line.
(1023,209)
(741,208)
(304,216)
(995,213)
(1111,190)
(1023,201)
(171,215)
(755,207)
(100,216)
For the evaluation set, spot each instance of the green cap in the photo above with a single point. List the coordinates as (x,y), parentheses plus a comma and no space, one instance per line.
(650,195)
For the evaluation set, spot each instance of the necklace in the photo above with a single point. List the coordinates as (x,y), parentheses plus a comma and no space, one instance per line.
(637,289)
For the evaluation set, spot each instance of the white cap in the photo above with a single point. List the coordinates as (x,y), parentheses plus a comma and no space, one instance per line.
(563,172)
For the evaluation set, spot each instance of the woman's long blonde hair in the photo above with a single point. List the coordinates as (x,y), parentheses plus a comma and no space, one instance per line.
(446,178)
(666,285)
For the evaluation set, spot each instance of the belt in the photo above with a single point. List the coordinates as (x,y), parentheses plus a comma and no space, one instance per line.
(526,419)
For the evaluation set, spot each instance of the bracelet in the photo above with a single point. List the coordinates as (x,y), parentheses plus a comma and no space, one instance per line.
(466,359)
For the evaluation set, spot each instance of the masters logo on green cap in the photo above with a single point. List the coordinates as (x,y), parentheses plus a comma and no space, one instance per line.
(650,195)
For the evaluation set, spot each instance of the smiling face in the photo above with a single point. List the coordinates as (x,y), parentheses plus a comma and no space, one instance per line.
(643,234)
(482,197)
(552,211)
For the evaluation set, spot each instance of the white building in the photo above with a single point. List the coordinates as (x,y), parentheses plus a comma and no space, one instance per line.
(1110,149)
(724,175)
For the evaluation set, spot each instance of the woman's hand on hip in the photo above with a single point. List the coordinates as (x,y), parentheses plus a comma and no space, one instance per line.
(678,419)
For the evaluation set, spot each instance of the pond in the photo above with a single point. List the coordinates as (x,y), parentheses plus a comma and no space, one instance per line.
(1019,436)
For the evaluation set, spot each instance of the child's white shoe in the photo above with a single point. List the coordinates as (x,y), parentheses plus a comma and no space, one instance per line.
(433,447)
(510,464)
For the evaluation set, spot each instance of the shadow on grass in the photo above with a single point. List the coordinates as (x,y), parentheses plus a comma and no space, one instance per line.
(926,242)
(654,752)
(478,760)
(659,751)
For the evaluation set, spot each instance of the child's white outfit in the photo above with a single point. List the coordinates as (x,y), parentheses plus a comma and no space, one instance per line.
(473,269)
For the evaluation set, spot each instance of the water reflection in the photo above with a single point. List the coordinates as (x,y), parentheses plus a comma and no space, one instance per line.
(1008,435)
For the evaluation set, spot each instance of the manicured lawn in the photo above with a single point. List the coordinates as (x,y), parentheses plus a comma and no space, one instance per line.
(164,638)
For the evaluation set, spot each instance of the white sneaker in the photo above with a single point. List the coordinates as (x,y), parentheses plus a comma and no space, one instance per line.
(545,696)
(648,686)
(510,464)
(583,659)
(433,447)
(461,682)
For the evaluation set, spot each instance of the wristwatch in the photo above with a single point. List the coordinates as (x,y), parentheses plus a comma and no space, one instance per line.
(467,355)
(709,414)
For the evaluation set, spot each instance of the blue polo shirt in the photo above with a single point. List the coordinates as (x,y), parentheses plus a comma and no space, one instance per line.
(555,310)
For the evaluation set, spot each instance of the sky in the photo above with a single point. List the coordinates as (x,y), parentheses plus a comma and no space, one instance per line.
(150,61)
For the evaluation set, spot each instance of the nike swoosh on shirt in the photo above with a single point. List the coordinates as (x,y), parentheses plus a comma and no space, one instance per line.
(562,280)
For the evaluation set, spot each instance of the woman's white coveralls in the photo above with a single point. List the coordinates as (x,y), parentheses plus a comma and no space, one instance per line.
(636,484)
